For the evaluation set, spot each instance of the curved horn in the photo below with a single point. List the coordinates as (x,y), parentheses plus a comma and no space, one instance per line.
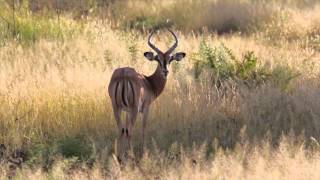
(175,45)
(153,46)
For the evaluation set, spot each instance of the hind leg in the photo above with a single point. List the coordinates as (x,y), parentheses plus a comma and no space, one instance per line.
(121,129)
(117,115)
(144,125)
(131,118)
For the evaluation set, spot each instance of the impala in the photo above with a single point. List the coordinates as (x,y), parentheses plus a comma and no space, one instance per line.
(133,92)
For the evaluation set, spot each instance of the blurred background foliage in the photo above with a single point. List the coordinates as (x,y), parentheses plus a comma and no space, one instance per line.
(251,76)
(222,16)
(30,20)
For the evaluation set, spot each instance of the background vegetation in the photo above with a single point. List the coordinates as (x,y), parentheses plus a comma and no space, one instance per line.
(244,104)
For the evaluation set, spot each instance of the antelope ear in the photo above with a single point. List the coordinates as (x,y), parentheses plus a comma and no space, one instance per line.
(178,56)
(149,55)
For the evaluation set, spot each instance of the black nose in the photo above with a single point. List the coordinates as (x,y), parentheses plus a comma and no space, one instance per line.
(165,72)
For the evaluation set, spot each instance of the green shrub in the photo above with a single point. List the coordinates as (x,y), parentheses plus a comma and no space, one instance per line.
(223,66)
(45,155)
(74,147)
(247,67)
(219,60)
(249,71)
(41,154)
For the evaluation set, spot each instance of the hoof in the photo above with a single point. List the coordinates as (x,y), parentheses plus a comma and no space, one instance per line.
(119,159)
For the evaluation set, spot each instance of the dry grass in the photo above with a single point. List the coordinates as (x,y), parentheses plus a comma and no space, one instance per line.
(60,88)
(288,162)
(54,92)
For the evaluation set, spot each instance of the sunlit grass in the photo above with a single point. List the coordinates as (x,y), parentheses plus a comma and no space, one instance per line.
(53,97)
(59,89)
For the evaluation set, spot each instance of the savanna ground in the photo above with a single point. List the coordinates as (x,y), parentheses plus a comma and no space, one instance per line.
(243,104)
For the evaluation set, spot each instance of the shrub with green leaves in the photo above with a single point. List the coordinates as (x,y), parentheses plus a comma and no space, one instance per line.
(219,60)
(223,66)
(249,70)
(41,154)
(74,147)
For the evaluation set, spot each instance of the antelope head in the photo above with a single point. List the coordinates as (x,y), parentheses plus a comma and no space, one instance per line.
(164,59)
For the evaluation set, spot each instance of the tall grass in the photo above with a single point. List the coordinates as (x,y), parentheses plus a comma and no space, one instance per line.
(238,106)
(288,162)
(27,27)
(54,90)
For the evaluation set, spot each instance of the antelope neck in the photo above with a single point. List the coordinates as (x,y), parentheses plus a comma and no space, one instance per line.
(157,81)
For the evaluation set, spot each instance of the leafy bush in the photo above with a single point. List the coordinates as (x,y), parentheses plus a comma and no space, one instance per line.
(41,154)
(74,147)
(223,66)
(45,155)
(249,71)
(218,59)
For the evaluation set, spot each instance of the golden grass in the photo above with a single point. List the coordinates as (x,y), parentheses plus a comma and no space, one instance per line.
(60,88)
(288,162)
(54,89)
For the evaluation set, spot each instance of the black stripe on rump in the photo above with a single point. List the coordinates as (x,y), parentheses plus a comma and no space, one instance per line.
(123,93)
(115,93)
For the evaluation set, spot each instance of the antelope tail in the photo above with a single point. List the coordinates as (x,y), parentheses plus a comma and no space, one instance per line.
(124,93)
